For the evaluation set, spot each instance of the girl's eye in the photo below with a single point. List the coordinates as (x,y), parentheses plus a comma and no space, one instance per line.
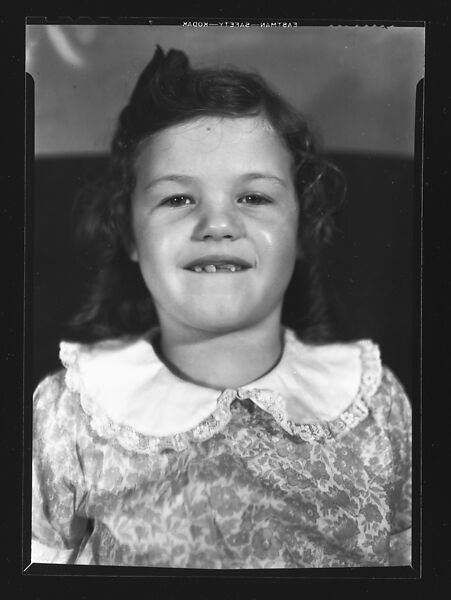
(176,201)
(254,199)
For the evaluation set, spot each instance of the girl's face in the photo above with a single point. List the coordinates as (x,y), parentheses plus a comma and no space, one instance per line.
(214,216)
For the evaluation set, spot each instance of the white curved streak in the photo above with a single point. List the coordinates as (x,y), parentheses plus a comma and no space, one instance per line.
(64,46)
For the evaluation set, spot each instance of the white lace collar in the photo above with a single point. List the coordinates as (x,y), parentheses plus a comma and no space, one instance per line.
(313,392)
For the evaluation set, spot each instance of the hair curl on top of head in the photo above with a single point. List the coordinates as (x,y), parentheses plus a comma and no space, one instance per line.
(169,92)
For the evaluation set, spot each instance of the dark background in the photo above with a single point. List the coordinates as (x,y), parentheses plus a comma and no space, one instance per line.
(373,263)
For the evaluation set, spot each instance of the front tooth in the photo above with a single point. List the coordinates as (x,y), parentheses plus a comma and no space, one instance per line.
(198,269)
(210,268)
(232,268)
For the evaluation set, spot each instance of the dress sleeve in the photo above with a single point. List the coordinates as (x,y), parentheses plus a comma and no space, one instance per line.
(58,524)
(400,432)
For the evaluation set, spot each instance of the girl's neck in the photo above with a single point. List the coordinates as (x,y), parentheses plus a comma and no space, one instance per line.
(227,360)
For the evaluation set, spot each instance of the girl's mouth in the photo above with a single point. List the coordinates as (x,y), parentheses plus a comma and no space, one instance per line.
(221,268)
(218,264)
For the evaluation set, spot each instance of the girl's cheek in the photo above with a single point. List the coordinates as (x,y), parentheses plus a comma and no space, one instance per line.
(280,231)
(268,239)
(143,225)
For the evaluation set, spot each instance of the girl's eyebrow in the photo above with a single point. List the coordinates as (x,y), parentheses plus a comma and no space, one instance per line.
(266,176)
(185,179)
(170,177)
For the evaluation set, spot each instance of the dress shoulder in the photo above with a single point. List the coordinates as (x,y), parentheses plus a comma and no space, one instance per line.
(53,402)
(51,387)
(391,401)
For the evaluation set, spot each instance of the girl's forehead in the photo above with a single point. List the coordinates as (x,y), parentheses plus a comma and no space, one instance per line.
(232,125)
(213,138)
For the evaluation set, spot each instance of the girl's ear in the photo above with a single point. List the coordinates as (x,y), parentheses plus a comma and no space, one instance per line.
(129,246)
(133,253)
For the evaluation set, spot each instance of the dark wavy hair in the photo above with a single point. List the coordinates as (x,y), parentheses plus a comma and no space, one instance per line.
(169,92)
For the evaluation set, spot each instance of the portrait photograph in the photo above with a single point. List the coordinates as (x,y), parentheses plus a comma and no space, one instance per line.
(222,343)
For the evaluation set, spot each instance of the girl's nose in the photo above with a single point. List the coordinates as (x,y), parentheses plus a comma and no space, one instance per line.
(219,222)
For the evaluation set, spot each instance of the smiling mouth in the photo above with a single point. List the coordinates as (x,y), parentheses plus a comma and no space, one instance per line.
(217,269)
(210,265)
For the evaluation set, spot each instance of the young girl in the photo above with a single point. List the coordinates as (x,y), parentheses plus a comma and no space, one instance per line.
(219,438)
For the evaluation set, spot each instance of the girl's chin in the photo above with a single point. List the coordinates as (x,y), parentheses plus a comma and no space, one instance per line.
(220,326)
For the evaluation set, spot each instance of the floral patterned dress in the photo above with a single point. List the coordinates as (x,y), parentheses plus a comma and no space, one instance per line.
(308,466)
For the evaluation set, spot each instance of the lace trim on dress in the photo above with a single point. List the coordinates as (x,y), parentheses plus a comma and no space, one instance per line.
(326,430)
(268,400)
